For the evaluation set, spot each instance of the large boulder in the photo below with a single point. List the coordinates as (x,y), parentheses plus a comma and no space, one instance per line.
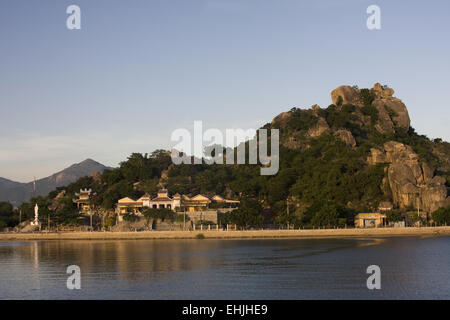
(385,123)
(393,107)
(346,137)
(349,95)
(398,152)
(384,93)
(392,112)
(377,156)
(281,119)
(412,183)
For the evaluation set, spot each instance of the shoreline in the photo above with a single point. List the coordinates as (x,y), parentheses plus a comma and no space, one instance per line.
(236,234)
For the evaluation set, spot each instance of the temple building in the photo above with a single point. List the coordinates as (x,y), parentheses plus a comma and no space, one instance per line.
(196,203)
(128,205)
(163,201)
(228,203)
(84,200)
(176,203)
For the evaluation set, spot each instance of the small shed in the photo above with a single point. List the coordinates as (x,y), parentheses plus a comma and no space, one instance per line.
(370,220)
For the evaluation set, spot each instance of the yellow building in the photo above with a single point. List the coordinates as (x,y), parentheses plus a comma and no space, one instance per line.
(128,205)
(226,202)
(176,203)
(196,203)
(164,201)
(370,220)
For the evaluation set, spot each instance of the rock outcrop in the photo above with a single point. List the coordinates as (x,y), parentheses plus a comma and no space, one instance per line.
(320,127)
(346,137)
(349,95)
(55,204)
(356,113)
(282,118)
(392,112)
(412,183)
(291,143)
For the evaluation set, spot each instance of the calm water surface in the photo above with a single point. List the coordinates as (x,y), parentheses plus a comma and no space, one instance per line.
(411,268)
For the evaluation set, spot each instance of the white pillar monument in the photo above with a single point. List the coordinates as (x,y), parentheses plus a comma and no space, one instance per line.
(36,216)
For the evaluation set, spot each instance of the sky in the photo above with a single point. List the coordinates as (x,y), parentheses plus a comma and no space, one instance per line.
(139,69)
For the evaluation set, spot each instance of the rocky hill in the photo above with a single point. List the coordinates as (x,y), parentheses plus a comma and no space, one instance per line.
(16,192)
(413,183)
(336,161)
(374,120)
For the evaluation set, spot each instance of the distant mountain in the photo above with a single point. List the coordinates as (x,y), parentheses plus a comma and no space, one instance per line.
(16,192)
(6,184)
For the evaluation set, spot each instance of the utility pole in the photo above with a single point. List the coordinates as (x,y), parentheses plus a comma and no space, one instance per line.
(287,211)
(90,217)
(48,223)
(418,208)
(184,222)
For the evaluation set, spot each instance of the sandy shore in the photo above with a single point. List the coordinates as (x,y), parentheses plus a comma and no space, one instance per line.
(214,234)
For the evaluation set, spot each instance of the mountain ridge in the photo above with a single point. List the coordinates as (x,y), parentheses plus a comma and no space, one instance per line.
(18,192)
(7,183)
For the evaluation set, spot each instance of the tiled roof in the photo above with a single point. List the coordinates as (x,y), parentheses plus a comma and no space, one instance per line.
(162,199)
(200,197)
(128,201)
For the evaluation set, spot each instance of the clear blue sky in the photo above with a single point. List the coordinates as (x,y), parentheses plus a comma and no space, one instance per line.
(139,69)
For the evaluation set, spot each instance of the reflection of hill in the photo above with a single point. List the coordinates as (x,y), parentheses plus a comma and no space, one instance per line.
(126,259)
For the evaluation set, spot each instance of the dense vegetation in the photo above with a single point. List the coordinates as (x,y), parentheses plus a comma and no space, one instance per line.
(321,182)
(442,216)
(7,216)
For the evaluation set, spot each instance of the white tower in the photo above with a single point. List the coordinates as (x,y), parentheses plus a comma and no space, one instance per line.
(36,216)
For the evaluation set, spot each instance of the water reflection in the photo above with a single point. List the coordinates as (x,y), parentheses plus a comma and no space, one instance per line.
(226,269)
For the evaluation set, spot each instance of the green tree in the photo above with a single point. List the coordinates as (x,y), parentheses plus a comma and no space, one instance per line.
(326,214)
(159,213)
(248,214)
(8,218)
(442,216)
(130,217)
(110,220)
(66,216)
(283,217)
(367,97)
(394,216)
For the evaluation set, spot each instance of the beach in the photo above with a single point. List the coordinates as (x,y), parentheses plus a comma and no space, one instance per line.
(234,234)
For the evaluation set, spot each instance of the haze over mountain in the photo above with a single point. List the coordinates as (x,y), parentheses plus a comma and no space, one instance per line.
(17,192)
(6,184)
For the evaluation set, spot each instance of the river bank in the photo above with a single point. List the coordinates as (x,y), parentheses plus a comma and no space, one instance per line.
(235,234)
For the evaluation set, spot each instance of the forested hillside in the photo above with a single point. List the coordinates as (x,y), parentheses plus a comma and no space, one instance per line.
(334,162)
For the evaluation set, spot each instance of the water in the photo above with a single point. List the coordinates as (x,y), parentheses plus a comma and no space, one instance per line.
(411,268)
